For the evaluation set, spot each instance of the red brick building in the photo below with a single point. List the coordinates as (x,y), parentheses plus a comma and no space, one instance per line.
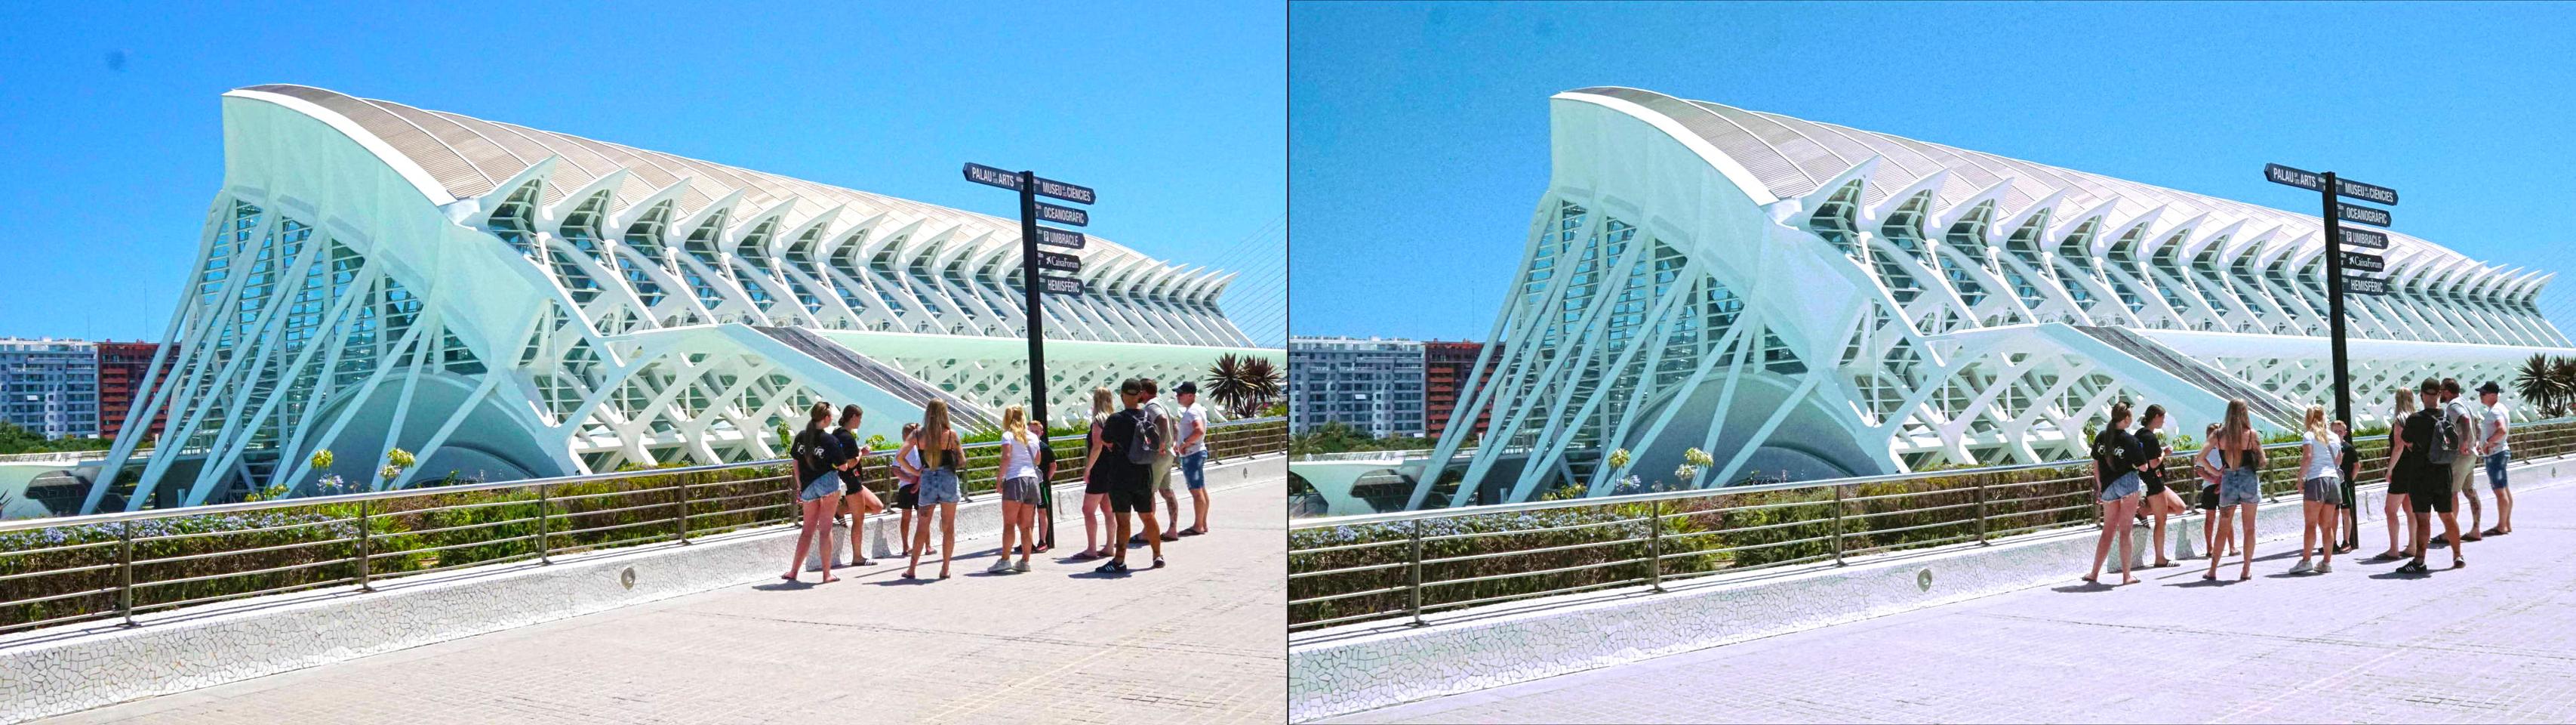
(1446,367)
(122,370)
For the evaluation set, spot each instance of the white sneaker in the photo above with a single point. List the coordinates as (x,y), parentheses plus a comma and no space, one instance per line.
(999,566)
(2302,567)
(1021,567)
(2325,568)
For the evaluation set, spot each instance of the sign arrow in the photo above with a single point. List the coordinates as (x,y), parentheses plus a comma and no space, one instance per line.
(1060,237)
(1063,215)
(2364,238)
(2362,214)
(2364,285)
(2364,262)
(1059,262)
(1060,285)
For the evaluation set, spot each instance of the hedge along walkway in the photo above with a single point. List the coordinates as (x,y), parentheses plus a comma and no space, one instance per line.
(1201,641)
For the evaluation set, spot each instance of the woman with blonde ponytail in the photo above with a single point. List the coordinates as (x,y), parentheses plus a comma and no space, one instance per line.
(1022,488)
(2320,490)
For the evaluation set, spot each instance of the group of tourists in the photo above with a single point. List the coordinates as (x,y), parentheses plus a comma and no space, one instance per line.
(2434,451)
(1133,446)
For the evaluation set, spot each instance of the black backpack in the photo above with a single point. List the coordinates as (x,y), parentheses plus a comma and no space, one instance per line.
(1147,442)
(2446,438)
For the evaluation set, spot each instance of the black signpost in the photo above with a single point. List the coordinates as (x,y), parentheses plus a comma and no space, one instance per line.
(1033,263)
(2363,255)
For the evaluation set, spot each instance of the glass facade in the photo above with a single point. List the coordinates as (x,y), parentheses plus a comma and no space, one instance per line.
(49,387)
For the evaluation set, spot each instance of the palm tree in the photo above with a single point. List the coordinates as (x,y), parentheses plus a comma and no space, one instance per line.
(2562,374)
(2538,383)
(1242,384)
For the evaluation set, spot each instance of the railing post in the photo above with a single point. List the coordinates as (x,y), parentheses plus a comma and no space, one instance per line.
(1981,511)
(1838,525)
(683,494)
(1416,607)
(363,561)
(545,549)
(1655,545)
(125,570)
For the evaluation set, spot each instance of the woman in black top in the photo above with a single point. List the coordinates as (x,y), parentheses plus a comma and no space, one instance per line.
(858,501)
(2159,501)
(818,488)
(2116,456)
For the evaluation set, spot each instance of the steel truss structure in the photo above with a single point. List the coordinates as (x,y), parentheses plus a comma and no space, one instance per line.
(1806,300)
(507,302)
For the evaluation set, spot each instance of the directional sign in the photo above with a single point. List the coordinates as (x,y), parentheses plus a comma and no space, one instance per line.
(1059,262)
(2363,262)
(2360,285)
(1060,237)
(1067,192)
(1060,285)
(990,176)
(2362,214)
(2301,178)
(1063,215)
(2372,193)
(2314,181)
(2363,238)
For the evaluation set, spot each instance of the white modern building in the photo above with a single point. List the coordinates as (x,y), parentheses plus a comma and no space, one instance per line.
(1804,298)
(49,387)
(1372,385)
(507,302)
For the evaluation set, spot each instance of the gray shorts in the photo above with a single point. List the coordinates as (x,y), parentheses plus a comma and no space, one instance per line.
(2322,489)
(1024,489)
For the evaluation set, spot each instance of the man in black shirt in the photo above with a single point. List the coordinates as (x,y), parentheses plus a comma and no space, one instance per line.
(1129,489)
(2428,485)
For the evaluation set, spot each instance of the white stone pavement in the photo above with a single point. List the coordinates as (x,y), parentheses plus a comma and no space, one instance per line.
(1200,642)
(2494,642)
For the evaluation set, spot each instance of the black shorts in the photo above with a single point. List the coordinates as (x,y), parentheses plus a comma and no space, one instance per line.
(1129,492)
(2155,484)
(907,497)
(1095,481)
(2209,497)
(2431,495)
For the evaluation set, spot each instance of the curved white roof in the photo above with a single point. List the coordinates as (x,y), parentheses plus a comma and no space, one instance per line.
(1794,157)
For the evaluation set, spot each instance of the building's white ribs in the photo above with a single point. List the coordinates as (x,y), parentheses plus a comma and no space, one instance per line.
(1960,265)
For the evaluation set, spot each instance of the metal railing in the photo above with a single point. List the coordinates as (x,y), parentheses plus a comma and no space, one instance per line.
(1402,565)
(63,456)
(117,565)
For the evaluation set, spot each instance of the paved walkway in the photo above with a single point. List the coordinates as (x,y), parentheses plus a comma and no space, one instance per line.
(1200,642)
(2495,642)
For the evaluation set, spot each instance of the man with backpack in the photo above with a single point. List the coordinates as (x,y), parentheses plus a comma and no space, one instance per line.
(1127,444)
(2460,435)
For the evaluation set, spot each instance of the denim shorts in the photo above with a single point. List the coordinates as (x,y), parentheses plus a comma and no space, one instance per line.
(1194,470)
(824,485)
(2239,486)
(2126,485)
(938,486)
(2495,468)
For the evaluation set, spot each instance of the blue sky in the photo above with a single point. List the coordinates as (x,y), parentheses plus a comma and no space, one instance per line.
(110,133)
(1418,134)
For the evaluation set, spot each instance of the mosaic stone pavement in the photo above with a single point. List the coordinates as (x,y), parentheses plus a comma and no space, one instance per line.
(1200,642)
(2495,642)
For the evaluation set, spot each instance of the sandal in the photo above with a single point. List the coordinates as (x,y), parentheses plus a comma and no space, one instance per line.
(2128,580)
(2162,563)
(2458,563)
(2492,532)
